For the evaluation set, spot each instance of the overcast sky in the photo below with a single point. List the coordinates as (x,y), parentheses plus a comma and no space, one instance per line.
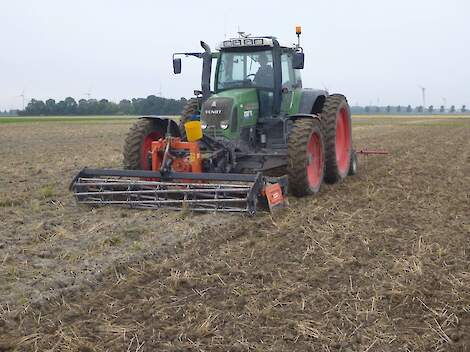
(373,51)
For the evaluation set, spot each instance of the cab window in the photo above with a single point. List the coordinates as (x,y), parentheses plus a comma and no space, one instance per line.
(245,69)
(288,79)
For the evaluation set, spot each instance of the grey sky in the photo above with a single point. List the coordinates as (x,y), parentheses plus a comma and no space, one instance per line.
(366,49)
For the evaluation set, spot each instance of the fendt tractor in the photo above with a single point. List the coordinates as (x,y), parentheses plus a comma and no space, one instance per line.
(251,139)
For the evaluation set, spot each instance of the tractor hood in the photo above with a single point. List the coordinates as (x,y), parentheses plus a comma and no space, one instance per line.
(220,113)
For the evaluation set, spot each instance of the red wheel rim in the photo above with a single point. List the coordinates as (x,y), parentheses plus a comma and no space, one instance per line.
(146,148)
(343,140)
(315,161)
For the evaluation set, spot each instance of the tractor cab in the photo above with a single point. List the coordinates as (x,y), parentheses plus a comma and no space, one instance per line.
(262,64)
(255,78)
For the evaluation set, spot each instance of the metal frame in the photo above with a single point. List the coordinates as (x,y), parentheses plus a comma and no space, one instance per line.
(149,189)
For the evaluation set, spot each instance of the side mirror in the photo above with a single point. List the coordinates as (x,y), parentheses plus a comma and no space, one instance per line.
(177,66)
(298,61)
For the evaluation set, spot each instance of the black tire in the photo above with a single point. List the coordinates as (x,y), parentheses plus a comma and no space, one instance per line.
(136,143)
(300,158)
(192,107)
(353,166)
(336,166)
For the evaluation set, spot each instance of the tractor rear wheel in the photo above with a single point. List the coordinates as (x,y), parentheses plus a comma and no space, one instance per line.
(305,164)
(336,124)
(138,144)
(191,108)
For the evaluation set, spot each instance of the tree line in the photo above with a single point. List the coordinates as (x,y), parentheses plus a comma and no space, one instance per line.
(431,109)
(152,105)
(10,112)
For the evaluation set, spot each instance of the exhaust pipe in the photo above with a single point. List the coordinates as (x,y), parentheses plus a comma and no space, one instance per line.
(206,71)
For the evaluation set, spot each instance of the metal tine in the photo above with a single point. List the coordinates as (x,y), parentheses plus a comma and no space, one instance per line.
(124,182)
(182,191)
(166,201)
(226,197)
(158,204)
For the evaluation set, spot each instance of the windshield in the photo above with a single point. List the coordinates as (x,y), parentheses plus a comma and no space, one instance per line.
(245,69)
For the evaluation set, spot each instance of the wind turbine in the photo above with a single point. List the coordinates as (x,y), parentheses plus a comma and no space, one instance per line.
(423,92)
(22,96)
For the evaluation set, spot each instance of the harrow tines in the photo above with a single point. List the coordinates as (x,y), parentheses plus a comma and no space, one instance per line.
(237,196)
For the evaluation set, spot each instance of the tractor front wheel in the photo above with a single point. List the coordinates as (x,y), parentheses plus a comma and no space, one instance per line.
(138,144)
(305,165)
(336,123)
(191,108)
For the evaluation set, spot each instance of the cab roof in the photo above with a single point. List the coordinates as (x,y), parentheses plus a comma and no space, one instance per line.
(251,42)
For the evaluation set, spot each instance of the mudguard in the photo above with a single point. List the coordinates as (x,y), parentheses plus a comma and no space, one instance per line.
(163,121)
(312,100)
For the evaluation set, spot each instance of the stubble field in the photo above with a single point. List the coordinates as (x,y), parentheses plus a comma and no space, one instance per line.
(379,262)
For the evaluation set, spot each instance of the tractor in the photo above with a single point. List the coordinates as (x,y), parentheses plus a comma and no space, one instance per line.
(250,137)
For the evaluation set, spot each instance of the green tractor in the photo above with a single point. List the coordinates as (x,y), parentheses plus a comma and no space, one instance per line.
(259,126)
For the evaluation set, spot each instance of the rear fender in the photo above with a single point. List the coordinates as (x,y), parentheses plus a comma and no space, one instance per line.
(294,117)
(162,123)
(312,100)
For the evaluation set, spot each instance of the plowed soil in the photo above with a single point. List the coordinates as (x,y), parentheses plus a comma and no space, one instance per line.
(379,262)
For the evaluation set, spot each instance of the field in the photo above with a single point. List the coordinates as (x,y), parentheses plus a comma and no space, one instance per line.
(379,262)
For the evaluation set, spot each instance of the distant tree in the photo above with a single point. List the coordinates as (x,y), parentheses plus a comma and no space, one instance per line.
(464,109)
(138,105)
(61,108)
(409,109)
(70,106)
(105,107)
(442,109)
(398,108)
(93,107)
(153,105)
(452,108)
(419,109)
(83,107)
(377,109)
(388,109)
(431,109)
(367,109)
(35,107)
(50,107)
(125,107)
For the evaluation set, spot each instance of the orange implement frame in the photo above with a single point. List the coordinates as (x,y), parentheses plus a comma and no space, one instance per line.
(191,163)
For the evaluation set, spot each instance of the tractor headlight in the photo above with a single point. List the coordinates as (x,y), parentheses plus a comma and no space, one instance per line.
(224,124)
(203,125)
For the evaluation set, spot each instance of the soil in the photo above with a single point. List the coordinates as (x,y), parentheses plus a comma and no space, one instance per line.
(379,262)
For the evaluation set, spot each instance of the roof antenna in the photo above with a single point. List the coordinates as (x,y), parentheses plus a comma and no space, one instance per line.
(242,34)
(225,25)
